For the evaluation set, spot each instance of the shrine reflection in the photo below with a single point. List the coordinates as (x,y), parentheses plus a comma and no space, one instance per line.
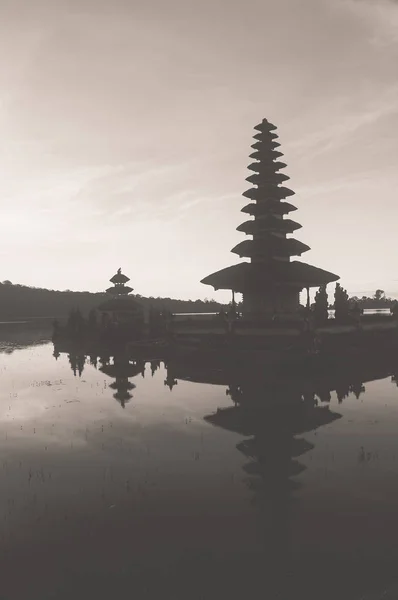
(118,367)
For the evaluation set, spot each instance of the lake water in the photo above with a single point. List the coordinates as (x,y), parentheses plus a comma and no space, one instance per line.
(134,482)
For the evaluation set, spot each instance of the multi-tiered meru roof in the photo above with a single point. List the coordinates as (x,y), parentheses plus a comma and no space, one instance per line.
(270,250)
(119,287)
(121,300)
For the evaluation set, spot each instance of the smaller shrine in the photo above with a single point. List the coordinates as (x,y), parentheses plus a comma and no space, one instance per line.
(121,308)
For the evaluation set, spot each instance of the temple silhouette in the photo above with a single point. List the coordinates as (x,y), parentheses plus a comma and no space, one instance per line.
(269,325)
(121,309)
(120,318)
(271,282)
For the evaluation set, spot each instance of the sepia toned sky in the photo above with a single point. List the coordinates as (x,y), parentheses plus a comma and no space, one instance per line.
(125,130)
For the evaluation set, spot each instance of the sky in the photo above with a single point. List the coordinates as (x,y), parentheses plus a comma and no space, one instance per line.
(125,130)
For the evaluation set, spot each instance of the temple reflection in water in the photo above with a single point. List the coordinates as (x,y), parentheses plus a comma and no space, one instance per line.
(119,367)
(274,416)
(244,384)
(274,419)
(273,428)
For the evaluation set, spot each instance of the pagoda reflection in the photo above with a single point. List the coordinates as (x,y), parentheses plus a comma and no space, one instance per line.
(273,417)
(122,369)
(273,413)
(118,367)
(273,420)
(339,378)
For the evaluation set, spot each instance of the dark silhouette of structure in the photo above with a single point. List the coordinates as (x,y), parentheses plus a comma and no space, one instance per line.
(272,445)
(121,309)
(119,319)
(273,418)
(270,282)
(121,369)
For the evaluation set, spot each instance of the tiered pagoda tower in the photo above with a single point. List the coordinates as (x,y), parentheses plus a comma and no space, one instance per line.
(119,287)
(271,282)
(122,308)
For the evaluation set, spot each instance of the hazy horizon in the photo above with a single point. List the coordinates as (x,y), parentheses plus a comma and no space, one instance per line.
(126,130)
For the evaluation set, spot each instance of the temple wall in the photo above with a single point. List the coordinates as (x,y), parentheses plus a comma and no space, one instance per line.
(282,301)
(257,304)
(290,301)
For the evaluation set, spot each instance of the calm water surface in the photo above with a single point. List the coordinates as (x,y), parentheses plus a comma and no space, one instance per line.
(117,490)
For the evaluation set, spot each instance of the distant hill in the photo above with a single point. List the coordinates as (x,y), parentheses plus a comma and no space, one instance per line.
(20,302)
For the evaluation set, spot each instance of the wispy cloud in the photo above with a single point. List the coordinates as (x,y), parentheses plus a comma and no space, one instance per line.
(344,125)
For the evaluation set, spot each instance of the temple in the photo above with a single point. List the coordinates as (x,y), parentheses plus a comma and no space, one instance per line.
(121,308)
(271,282)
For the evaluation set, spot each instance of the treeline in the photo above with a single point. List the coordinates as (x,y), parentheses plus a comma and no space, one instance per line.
(378,300)
(20,302)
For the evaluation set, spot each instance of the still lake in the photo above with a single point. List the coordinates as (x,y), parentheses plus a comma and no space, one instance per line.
(154,486)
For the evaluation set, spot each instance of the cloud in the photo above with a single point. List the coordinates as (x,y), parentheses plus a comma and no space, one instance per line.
(336,134)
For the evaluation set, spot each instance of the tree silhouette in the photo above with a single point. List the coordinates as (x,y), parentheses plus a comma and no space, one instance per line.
(341,303)
(19,301)
(379,295)
(92,319)
(321,305)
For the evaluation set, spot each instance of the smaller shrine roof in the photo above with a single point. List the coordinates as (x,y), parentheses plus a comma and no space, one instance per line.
(119,290)
(119,277)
